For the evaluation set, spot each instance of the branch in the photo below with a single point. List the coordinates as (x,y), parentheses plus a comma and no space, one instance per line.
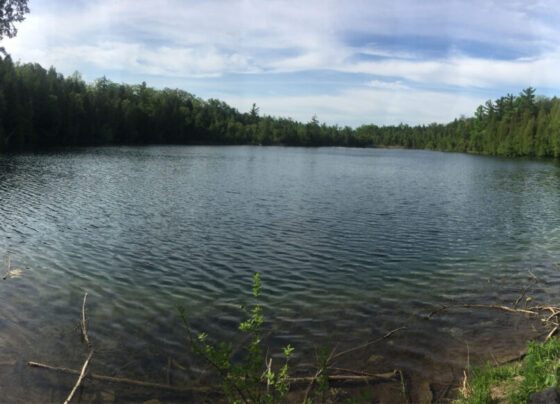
(82,374)
(349,378)
(368,343)
(484,306)
(84,330)
(122,379)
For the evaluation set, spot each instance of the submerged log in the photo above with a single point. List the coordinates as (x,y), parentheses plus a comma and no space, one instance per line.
(124,380)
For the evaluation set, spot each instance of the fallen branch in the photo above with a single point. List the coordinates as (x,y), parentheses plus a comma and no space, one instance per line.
(86,363)
(366,374)
(122,379)
(368,343)
(348,378)
(521,296)
(84,330)
(312,380)
(484,306)
(551,333)
(82,374)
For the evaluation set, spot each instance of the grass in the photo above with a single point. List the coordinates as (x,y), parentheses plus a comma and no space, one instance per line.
(514,383)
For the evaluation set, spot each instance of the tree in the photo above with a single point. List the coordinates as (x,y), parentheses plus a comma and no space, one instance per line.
(11,11)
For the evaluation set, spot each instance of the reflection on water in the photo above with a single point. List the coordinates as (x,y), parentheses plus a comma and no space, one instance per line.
(351,243)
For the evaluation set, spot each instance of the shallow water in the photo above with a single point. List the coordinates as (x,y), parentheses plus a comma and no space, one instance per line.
(351,243)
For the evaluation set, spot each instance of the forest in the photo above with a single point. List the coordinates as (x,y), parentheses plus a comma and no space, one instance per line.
(41,108)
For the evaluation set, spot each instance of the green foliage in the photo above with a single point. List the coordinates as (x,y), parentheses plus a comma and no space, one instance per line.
(40,108)
(539,370)
(322,381)
(11,11)
(482,380)
(250,380)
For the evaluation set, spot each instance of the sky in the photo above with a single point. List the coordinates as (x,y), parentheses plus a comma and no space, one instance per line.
(348,62)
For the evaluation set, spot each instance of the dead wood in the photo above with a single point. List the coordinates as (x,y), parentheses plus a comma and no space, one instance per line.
(312,380)
(84,330)
(368,343)
(124,380)
(80,378)
(346,378)
(485,306)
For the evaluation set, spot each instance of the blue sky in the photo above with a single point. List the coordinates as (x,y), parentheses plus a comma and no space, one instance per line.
(348,62)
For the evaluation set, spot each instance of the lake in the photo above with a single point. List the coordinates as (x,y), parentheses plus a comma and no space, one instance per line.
(351,243)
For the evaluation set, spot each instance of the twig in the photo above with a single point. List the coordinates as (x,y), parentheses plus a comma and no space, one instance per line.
(551,333)
(268,368)
(123,379)
(84,330)
(366,374)
(368,343)
(521,296)
(312,380)
(533,275)
(168,378)
(484,306)
(554,313)
(82,374)
(178,365)
(349,378)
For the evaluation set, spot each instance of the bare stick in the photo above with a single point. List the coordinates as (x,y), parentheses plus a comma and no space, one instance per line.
(84,330)
(367,374)
(551,333)
(168,378)
(521,296)
(82,374)
(554,313)
(368,343)
(121,379)
(348,378)
(484,306)
(268,368)
(312,380)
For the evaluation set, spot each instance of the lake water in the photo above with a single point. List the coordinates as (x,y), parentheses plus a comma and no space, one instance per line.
(351,244)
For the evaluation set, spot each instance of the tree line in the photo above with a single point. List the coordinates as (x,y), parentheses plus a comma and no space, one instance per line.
(41,108)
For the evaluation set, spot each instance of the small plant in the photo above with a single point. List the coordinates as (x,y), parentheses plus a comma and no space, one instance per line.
(323,358)
(252,379)
(538,371)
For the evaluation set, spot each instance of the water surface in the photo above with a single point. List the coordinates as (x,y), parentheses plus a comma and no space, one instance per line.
(351,243)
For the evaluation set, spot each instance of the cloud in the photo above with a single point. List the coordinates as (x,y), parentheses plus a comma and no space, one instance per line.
(389,85)
(366,105)
(396,47)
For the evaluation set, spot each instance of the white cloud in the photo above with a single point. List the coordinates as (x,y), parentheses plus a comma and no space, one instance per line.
(193,39)
(359,106)
(390,85)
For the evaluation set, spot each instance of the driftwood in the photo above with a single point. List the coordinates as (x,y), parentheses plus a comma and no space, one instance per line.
(375,341)
(312,380)
(483,306)
(346,378)
(536,311)
(121,379)
(84,330)
(80,378)
(88,359)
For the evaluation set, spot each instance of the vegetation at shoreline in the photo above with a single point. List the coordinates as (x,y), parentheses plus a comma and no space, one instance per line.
(242,382)
(516,382)
(41,108)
